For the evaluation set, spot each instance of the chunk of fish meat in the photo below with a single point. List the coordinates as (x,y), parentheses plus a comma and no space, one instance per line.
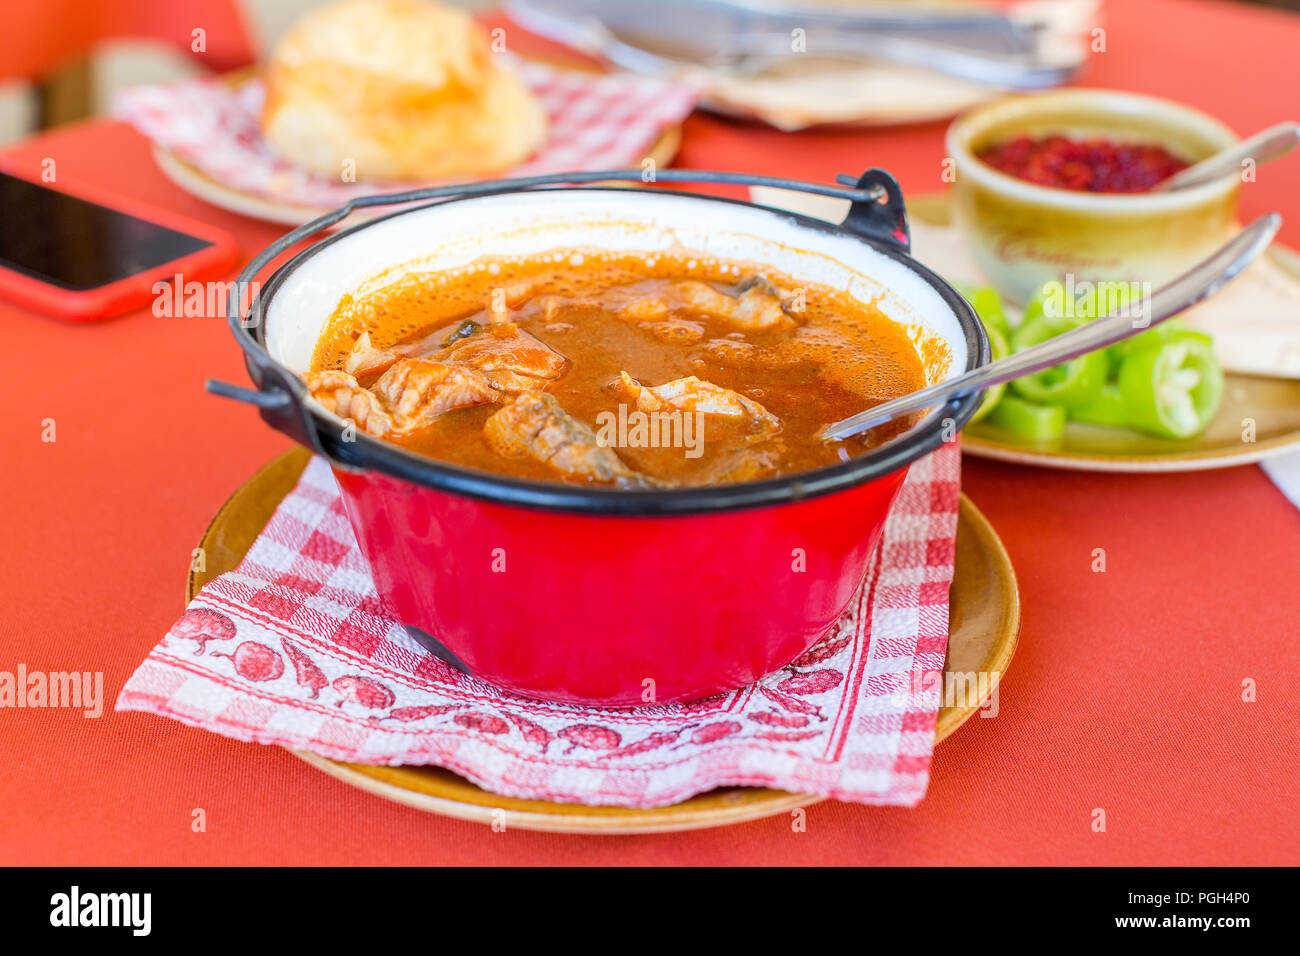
(510,359)
(744,464)
(418,391)
(340,393)
(760,307)
(648,309)
(757,309)
(408,398)
(693,394)
(365,360)
(535,426)
(507,297)
(653,314)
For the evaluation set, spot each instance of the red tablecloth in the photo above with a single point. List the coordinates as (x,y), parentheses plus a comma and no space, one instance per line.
(1126,693)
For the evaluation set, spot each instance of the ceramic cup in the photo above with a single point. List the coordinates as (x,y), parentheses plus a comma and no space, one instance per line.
(1022,234)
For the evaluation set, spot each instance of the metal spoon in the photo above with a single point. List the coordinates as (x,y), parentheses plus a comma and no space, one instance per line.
(1199,282)
(1270,144)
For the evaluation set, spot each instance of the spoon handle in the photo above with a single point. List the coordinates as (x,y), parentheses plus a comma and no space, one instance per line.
(1199,282)
(1262,147)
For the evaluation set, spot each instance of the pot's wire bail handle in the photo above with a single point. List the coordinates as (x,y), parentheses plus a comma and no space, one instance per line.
(281,397)
(883,218)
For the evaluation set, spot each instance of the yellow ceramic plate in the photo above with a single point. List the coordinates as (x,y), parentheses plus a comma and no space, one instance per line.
(1272,403)
(984,624)
(198,183)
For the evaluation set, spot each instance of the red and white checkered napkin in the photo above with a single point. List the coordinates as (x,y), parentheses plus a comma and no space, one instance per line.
(597,121)
(294,648)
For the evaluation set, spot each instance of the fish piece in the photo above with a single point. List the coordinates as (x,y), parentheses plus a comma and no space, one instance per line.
(760,307)
(652,314)
(365,360)
(691,394)
(757,309)
(340,393)
(498,310)
(508,297)
(701,297)
(534,425)
(510,359)
(744,464)
(418,391)
(649,309)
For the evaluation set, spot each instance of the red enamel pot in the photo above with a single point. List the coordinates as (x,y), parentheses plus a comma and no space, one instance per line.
(593,595)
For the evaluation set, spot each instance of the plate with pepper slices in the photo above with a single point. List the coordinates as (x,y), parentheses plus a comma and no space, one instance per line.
(1158,402)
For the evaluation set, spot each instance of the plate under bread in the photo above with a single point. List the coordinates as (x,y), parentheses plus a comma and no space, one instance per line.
(198,183)
(984,625)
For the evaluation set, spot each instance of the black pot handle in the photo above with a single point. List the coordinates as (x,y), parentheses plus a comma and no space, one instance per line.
(281,401)
(883,219)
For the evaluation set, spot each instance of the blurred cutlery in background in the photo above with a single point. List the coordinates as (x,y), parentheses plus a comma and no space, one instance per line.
(745,39)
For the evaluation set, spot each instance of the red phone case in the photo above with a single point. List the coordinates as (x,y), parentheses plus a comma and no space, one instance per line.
(133,291)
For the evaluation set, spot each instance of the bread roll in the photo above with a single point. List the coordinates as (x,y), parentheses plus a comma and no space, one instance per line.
(396,90)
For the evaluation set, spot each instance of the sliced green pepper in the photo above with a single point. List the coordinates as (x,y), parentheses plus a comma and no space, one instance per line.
(1094,299)
(1039,422)
(1071,384)
(1000,349)
(1108,408)
(1172,388)
(1040,328)
(1102,298)
(1035,308)
(1170,329)
(987,305)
